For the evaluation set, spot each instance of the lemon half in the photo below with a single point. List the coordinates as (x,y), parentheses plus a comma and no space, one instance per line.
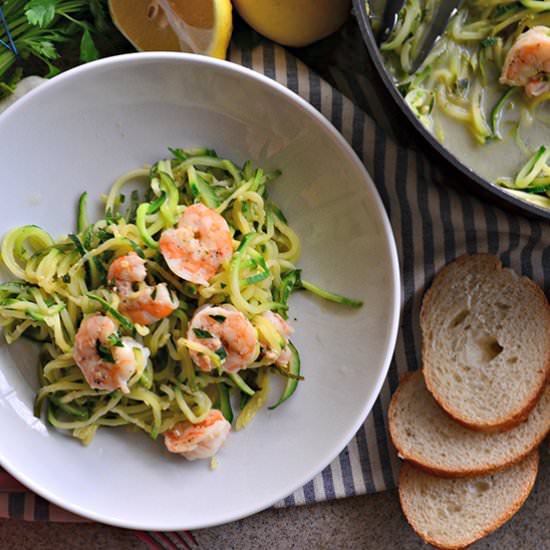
(199,26)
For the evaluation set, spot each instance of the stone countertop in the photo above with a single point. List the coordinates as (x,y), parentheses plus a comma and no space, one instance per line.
(373,521)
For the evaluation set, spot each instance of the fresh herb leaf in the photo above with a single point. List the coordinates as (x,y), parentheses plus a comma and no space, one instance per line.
(104,352)
(221,353)
(200,333)
(88,50)
(98,13)
(488,42)
(103,235)
(40,12)
(7,88)
(219,318)
(114,340)
(44,48)
(52,69)
(77,243)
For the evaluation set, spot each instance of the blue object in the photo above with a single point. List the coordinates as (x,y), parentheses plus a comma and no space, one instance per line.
(10,44)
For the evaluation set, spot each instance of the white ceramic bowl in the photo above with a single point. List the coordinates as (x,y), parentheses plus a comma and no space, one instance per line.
(89,125)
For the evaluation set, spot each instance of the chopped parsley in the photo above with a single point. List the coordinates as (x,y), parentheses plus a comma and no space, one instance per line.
(219,318)
(104,352)
(488,42)
(221,353)
(114,340)
(200,333)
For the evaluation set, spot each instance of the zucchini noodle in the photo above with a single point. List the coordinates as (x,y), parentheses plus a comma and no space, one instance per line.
(455,78)
(57,284)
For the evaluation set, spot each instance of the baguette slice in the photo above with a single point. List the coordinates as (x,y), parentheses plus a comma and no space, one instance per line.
(485,344)
(453,513)
(423,434)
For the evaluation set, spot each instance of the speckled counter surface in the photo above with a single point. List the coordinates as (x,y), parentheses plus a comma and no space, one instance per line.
(373,521)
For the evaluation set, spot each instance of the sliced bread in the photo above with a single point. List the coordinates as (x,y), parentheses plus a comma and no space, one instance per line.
(423,434)
(453,513)
(485,344)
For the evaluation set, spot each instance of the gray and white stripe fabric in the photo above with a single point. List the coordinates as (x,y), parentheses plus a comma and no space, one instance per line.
(432,224)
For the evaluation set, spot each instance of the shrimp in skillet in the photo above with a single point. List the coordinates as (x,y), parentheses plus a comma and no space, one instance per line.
(198,247)
(202,440)
(146,304)
(228,333)
(106,361)
(527,62)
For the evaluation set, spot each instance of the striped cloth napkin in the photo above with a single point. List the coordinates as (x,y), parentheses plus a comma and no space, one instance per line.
(432,224)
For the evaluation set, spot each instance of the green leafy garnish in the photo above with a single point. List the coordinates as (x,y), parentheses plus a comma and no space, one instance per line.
(200,333)
(221,353)
(40,12)
(88,51)
(487,42)
(104,352)
(42,28)
(114,340)
(77,243)
(219,318)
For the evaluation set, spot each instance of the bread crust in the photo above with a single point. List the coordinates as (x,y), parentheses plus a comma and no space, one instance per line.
(518,416)
(407,470)
(436,469)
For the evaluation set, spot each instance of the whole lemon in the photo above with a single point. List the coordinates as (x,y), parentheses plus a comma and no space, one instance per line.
(294,22)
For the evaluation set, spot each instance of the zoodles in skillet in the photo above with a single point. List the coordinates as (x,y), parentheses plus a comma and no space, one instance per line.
(484,88)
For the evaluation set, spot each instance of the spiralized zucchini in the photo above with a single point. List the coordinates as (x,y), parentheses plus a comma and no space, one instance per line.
(452,80)
(60,283)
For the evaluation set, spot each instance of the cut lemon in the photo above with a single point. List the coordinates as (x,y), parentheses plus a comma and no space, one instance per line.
(200,26)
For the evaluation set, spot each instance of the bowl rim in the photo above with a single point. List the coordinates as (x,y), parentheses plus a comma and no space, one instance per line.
(374,53)
(394,308)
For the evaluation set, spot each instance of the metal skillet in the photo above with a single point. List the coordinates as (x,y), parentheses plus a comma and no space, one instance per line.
(413,132)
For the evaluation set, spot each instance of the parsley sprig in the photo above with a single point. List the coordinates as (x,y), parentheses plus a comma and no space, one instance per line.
(39,27)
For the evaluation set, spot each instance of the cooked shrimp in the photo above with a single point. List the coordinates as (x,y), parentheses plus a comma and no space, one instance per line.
(199,246)
(226,331)
(147,304)
(527,62)
(201,440)
(124,271)
(277,352)
(104,364)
